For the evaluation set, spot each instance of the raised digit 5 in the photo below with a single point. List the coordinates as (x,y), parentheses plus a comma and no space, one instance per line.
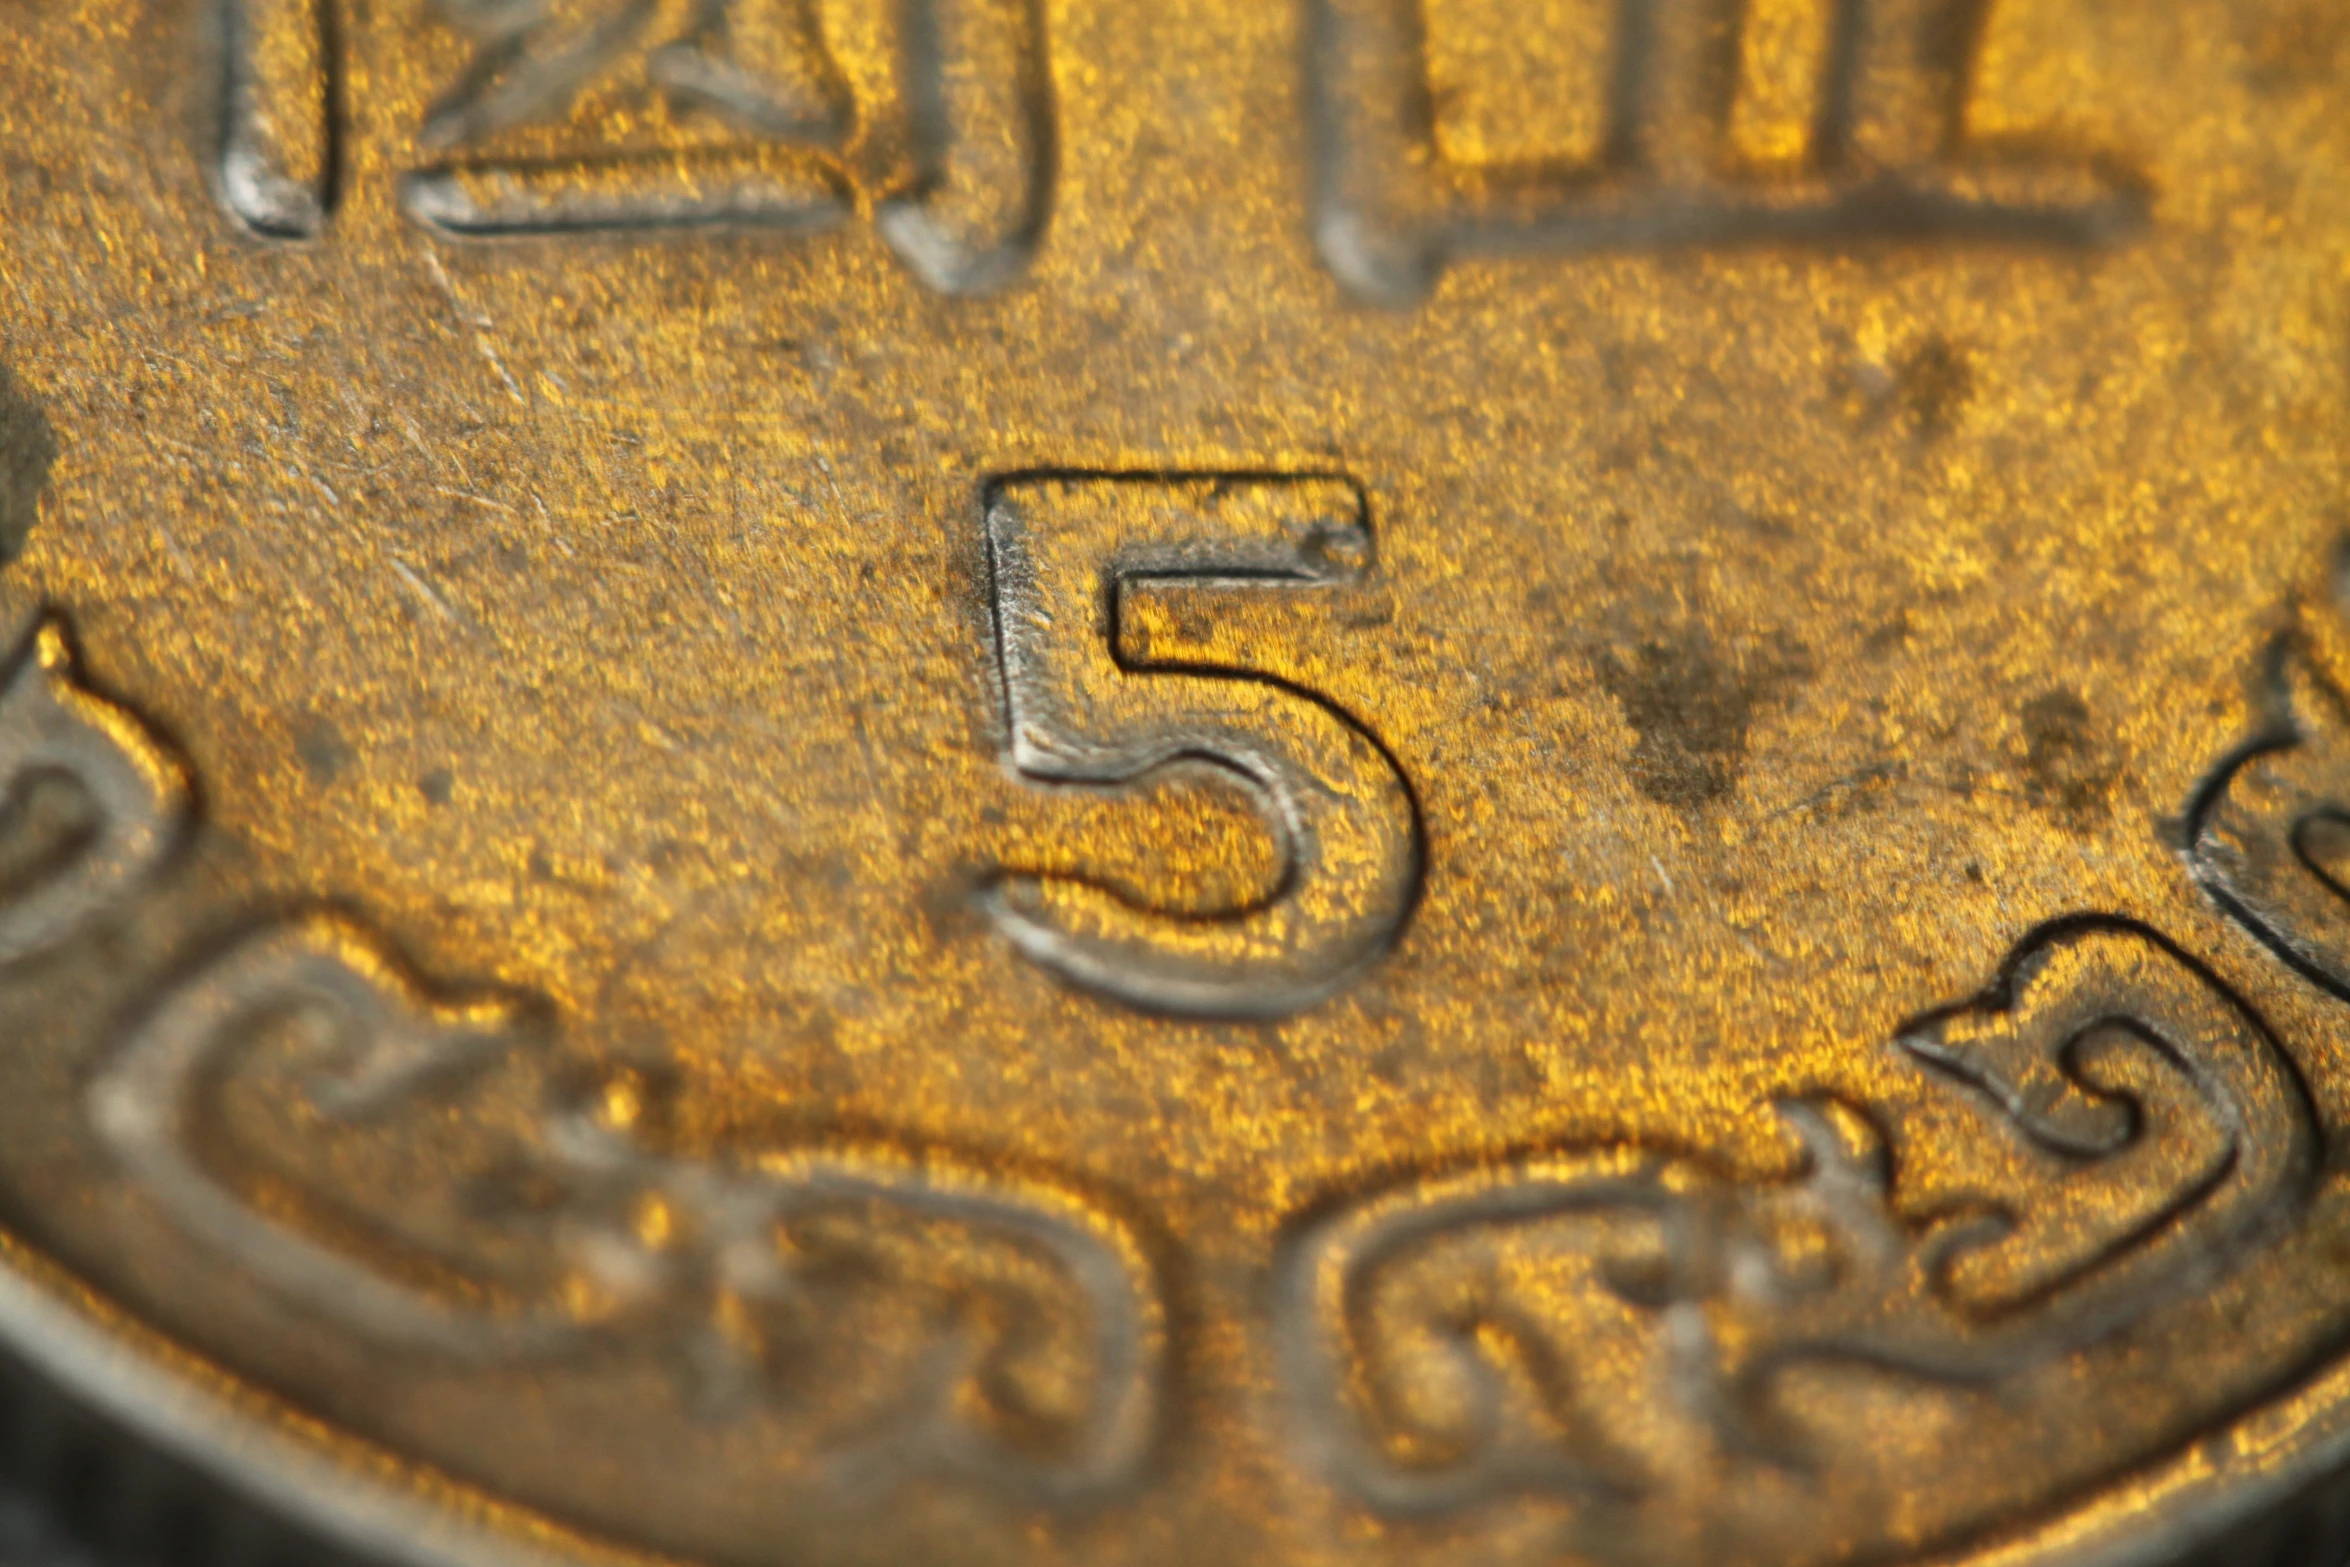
(1074,556)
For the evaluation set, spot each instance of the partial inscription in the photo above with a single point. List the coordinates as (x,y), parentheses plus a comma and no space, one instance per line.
(787,1278)
(275,159)
(129,803)
(633,117)
(1087,568)
(1460,127)
(1429,1335)
(745,118)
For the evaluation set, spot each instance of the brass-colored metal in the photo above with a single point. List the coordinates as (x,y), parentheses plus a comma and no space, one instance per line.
(1389,782)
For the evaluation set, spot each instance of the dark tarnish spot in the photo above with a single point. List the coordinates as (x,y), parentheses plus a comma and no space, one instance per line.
(2294,46)
(2323,842)
(1891,637)
(2068,766)
(1692,705)
(322,750)
(1937,382)
(27,447)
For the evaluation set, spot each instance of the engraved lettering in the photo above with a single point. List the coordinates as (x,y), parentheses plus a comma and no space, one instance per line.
(496,201)
(754,122)
(981,127)
(1449,128)
(635,117)
(1101,692)
(1426,1372)
(759,75)
(134,792)
(275,161)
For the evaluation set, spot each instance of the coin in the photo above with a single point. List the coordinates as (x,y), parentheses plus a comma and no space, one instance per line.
(1372,781)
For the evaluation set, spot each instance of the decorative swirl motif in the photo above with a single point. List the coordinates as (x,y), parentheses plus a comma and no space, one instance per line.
(719,1281)
(1744,1282)
(137,792)
(750,1273)
(2042,1044)
(2254,830)
(379,1038)
(911,1314)
(732,1269)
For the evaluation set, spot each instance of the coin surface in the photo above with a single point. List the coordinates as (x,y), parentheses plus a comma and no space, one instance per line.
(1400,782)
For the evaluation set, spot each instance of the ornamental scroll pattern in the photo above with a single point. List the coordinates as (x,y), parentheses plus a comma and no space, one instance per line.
(758,1278)
(2266,834)
(133,795)
(1411,1323)
(919,1311)
(924,1316)
(1429,1332)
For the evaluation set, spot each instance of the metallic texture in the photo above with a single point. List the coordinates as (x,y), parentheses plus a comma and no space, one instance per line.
(1094,784)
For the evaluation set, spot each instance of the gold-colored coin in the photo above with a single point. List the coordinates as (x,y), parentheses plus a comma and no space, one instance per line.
(1372,782)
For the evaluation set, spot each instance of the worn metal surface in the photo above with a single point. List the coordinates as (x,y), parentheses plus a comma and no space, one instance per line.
(1051,781)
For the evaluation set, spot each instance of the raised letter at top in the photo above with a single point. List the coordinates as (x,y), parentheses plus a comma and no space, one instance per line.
(1458,127)
(627,117)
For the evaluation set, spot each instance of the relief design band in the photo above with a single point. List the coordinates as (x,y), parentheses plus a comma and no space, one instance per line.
(1391,782)
(1430,1336)
(1659,122)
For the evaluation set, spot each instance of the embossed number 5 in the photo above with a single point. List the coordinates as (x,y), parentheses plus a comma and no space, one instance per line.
(1072,556)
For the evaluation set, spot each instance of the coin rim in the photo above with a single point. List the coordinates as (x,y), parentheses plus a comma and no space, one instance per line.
(217,1423)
